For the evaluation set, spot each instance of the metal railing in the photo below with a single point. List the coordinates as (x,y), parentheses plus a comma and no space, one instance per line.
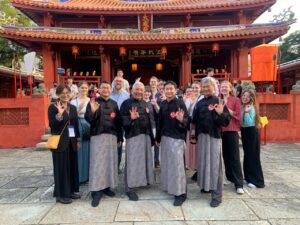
(137,31)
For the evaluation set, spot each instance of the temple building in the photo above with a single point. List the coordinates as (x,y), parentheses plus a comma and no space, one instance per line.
(172,39)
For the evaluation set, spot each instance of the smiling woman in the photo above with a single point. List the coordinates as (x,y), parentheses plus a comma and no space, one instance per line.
(63,120)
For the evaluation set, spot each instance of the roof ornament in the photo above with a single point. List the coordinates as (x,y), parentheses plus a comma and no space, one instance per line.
(287,15)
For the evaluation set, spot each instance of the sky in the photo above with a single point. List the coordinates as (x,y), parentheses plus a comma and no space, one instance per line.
(277,8)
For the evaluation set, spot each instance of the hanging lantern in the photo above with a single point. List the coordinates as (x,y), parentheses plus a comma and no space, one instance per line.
(159,67)
(280,39)
(134,67)
(215,48)
(122,52)
(75,51)
(164,52)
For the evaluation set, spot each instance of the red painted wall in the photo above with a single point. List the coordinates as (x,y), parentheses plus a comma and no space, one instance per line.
(17,136)
(283,130)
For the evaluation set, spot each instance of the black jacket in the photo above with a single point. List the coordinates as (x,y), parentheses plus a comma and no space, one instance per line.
(106,119)
(168,125)
(206,119)
(57,127)
(141,125)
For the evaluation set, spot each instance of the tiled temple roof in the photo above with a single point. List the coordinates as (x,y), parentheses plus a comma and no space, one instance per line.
(142,6)
(175,35)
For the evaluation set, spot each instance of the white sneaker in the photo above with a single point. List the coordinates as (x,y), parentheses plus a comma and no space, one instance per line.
(240,191)
(226,182)
(250,185)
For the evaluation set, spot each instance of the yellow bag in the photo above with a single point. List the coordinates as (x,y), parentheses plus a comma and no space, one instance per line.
(53,140)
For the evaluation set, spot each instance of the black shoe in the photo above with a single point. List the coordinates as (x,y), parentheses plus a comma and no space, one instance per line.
(179,200)
(64,200)
(132,196)
(205,192)
(195,176)
(96,198)
(75,196)
(215,203)
(109,192)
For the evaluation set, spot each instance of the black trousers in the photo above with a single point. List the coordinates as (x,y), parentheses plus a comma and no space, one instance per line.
(252,166)
(231,156)
(119,156)
(65,170)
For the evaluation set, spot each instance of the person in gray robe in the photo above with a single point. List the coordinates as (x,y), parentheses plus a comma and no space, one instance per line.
(106,134)
(209,115)
(139,169)
(173,122)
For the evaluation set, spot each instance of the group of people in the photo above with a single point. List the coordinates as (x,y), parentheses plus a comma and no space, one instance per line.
(162,129)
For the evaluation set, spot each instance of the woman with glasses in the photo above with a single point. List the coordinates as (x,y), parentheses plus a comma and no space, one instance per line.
(63,121)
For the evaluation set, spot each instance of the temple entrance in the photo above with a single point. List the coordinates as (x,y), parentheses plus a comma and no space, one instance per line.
(147,62)
(146,68)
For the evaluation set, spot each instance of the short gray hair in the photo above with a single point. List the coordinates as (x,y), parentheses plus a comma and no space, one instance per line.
(136,84)
(211,81)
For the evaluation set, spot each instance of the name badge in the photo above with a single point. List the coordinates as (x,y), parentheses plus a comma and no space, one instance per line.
(71,131)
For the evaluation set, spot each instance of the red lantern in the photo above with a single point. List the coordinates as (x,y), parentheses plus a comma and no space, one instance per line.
(122,52)
(75,51)
(134,67)
(164,52)
(215,48)
(159,67)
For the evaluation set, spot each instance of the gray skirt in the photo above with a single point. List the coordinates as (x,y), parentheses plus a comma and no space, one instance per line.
(139,161)
(173,177)
(209,151)
(103,162)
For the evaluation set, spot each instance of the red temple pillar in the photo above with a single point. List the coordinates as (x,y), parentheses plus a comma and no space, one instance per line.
(186,66)
(105,65)
(243,61)
(49,66)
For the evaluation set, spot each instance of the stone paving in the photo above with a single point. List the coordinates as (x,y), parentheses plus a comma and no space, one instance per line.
(26,186)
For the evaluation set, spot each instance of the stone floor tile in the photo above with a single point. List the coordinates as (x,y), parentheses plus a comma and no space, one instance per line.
(159,210)
(297,184)
(15,195)
(32,181)
(239,223)
(16,214)
(172,223)
(230,209)
(284,221)
(287,176)
(42,194)
(81,212)
(275,208)
(22,171)
(275,190)
(5,180)
(153,192)
(105,223)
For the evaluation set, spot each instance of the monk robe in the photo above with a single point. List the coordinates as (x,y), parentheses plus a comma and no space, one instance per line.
(171,134)
(209,145)
(106,132)
(139,169)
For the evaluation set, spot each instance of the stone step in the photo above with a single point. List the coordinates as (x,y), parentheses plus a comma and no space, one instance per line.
(41,146)
(45,137)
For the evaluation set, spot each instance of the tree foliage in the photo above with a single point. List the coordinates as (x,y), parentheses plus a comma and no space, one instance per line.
(11,16)
(290,48)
